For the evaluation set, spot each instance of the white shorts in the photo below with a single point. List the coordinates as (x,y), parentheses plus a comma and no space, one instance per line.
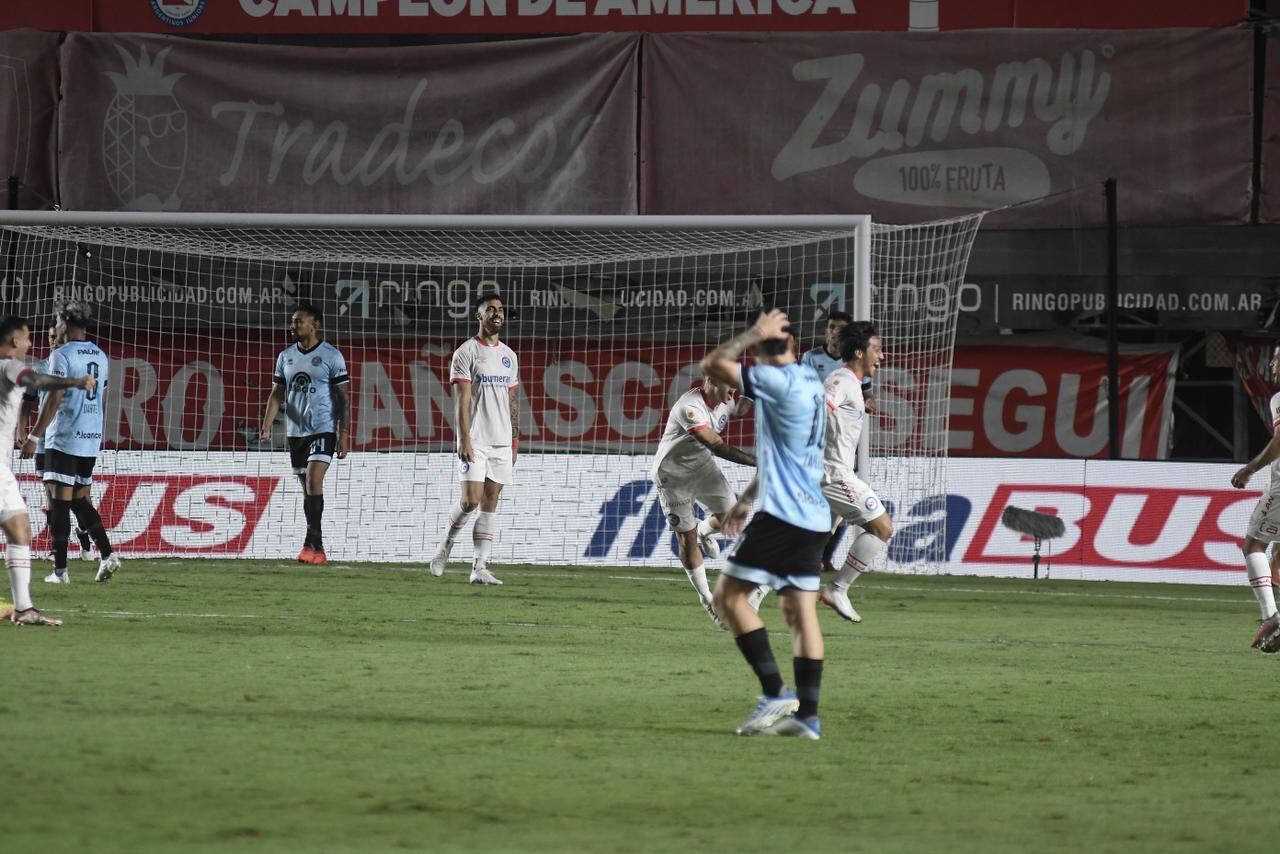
(488,462)
(705,485)
(851,500)
(11,501)
(1264,521)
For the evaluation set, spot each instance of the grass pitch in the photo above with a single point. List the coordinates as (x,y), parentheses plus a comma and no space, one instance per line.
(265,706)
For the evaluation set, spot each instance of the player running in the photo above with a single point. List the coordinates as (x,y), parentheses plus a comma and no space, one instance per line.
(782,546)
(15,342)
(852,501)
(310,382)
(485,375)
(684,471)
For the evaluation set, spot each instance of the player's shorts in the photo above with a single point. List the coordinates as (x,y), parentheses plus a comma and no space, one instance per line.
(488,462)
(1264,522)
(11,501)
(705,485)
(851,500)
(779,554)
(67,469)
(40,462)
(307,449)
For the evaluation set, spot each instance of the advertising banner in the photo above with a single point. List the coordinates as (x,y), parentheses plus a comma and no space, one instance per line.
(1045,397)
(543,125)
(1170,522)
(28,112)
(910,127)
(333,17)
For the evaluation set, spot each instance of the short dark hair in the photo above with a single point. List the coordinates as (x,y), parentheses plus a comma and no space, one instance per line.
(10,324)
(856,336)
(309,308)
(485,298)
(770,346)
(75,313)
(840,316)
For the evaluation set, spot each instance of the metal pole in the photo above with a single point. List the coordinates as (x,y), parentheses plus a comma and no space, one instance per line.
(1113,317)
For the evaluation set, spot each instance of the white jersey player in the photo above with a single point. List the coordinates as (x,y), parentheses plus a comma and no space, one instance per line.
(310,384)
(71,423)
(852,501)
(485,374)
(1264,526)
(685,471)
(15,342)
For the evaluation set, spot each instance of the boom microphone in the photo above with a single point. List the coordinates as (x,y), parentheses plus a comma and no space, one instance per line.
(1040,526)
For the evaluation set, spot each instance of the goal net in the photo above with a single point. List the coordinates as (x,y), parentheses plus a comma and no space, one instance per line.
(609,317)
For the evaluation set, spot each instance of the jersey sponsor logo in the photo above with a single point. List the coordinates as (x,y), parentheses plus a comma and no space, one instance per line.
(172,514)
(494,379)
(302,383)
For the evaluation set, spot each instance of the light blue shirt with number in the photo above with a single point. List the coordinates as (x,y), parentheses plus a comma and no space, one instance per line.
(791,429)
(76,428)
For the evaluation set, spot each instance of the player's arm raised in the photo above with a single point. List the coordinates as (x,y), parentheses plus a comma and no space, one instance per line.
(712,441)
(722,363)
(274,400)
(1266,457)
(341,408)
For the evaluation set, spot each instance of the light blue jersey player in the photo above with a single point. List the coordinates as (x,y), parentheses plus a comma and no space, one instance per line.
(310,385)
(72,425)
(782,546)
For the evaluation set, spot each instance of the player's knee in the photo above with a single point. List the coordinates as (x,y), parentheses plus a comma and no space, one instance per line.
(882,527)
(468,505)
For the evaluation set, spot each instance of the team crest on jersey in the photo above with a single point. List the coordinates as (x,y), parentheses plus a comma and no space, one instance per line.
(506,362)
(316,360)
(871,503)
(466,467)
(720,424)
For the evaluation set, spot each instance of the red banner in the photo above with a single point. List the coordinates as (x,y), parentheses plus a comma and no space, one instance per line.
(1028,400)
(28,112)
(543,125)
(919,126)
(342,17)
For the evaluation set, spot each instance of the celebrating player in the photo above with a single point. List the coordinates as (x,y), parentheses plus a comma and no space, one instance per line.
(1264,526)
(685,471)
(71,426)
(852,501)
(485,376)
(310,382)
(782,546)
(15,341)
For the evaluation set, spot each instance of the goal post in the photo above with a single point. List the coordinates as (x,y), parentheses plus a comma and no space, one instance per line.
(608,316)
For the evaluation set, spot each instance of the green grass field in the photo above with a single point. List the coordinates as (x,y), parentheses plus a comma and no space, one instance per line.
(263,706)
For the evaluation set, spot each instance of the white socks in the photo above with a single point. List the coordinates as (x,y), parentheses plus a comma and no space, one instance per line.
(1259,579)
(482,537)
(457,521)
(866,547)
(698,578)
(17,560)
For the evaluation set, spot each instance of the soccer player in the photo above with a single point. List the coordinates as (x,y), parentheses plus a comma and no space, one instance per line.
(782,546)
(1264,526)
(825,359)
(15,342)
(685,471)
(485,375)
(852,501)
(71,424)
(310,384)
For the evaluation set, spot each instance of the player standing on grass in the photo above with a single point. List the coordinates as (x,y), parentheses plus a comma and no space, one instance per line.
(1264,526)
(824,360)
(852,501)
(71,424)
(15,341)
(310,383)
(782,546)
(485,376)
(685,471)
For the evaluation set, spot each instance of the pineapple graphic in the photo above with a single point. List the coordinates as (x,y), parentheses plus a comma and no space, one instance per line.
(144,137)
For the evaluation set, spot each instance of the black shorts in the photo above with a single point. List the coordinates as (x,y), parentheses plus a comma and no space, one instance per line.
(66,469)
(304,449)
(40,462)
(770,546)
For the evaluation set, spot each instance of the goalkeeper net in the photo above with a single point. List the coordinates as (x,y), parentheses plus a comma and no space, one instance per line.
(608,316)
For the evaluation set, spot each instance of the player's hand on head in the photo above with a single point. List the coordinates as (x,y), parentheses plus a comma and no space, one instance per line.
(734,520)
(772,324)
